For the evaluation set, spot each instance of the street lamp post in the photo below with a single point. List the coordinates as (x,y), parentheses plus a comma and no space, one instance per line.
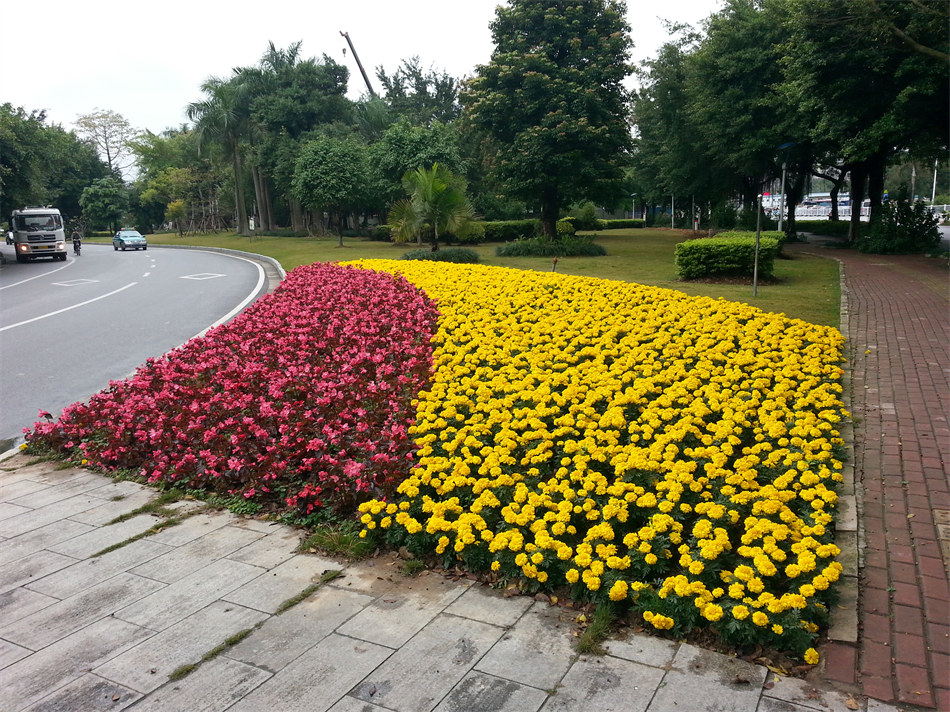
(755,263)
(781,211)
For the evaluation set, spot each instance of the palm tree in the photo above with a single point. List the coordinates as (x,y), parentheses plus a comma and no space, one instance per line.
(222,117)
(436,202)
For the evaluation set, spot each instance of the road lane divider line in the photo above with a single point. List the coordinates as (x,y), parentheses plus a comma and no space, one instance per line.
(66,309)
(261,278)
(44,274)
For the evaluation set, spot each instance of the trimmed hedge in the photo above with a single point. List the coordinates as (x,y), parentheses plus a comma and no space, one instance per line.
(508,230)
(459,255)
(623,224)
(836,228)
(778,235)
(725,257)
(579,246)
(476,235)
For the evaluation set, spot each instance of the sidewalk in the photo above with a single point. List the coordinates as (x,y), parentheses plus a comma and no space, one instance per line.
(898,330)
(80,632)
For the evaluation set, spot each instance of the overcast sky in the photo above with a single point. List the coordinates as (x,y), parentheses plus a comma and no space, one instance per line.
(147,61)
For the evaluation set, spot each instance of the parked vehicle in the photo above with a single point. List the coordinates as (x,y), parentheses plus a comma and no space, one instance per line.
(129,240)
(37,232)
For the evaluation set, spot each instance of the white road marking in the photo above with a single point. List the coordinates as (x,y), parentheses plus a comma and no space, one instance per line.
(66,309)
(45,274)
(203,275)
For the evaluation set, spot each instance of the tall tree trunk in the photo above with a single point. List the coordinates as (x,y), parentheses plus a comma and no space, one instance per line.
(550,209)
(858,181)
(243,228)
(296,216)
(877,166)
(268,202)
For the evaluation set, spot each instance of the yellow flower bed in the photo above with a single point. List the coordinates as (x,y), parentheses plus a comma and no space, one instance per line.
(674,453)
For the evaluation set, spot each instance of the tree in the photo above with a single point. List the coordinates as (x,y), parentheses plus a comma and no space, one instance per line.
(112,136)
(552,102)
(42,164)
(222,118)
(436,202)
(104,202)
(331,175)
(421,97)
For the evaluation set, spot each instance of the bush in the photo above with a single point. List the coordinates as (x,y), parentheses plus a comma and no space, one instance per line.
(584,216)
(382,233)
(474,234)
(459,255)
(619,224)
(835,228)
(725,257)
(903,228)
(508,230)
(781,237)
(565,228)
(576,246)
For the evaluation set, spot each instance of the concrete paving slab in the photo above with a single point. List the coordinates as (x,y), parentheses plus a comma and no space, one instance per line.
(188,595)
(21,602)
(80,482)
(213,687)
(36,540)
(403,611)
(286,637)
(74,578)
(605,684)
(318,678)
(47,670)
(801,694)
(196,554)
(483,604)
(11,489)
(642,648)
(270,550)
(8,510)
(73,614)
(37,519)
(88,694)
(704,680)
(147,666)
(374,577)
(109,509)
(424,670)
(193,527)
(352,704)
(262,526)
(487,693)
(85,545)
(50,473)
(30,568)
(10,653)
(269,590)
(537,651)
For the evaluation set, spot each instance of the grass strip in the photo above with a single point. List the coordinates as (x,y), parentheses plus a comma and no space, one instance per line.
(308,591)
(590,641)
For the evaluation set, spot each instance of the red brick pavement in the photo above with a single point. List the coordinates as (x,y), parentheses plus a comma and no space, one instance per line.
(898,334)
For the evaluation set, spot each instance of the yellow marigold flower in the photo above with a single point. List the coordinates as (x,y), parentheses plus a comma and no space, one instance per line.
(572,575)
(740,613)
(760,619)
(618,591)
(811,656)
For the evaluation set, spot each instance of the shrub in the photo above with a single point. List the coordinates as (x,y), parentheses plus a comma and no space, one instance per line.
(778,235)
(459,255)
(834,228)
(508,230)
(624,224)
(474,234)
(902,228)
(584,216)
(565,228)
(576,246)
(725,257)
(382,233)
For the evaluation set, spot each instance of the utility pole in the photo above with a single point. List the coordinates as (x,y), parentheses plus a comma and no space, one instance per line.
(358,64)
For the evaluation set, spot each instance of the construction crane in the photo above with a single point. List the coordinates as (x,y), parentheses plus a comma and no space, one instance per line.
(358,64)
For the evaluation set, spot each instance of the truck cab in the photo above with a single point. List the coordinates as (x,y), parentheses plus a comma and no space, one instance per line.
(37,232)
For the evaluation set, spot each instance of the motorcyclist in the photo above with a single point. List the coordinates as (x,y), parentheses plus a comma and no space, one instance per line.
(77,241)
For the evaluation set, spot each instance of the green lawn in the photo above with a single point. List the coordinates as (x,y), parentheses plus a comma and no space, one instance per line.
(807,287)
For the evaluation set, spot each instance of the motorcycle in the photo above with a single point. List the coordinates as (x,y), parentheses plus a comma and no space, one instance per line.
(77,247)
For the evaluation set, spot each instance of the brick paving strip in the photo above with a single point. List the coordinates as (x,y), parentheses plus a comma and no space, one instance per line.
(897,327)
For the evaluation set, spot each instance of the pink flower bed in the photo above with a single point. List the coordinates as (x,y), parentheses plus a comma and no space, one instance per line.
(306,397)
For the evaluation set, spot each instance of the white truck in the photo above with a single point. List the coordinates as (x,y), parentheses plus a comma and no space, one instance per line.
(37,232)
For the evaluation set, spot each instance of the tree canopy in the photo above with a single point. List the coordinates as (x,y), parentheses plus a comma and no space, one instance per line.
(552,102)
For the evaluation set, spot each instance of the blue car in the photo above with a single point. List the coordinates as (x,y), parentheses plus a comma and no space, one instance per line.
(129,240)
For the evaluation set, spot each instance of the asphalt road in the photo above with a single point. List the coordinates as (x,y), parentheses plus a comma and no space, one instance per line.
(68,328)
